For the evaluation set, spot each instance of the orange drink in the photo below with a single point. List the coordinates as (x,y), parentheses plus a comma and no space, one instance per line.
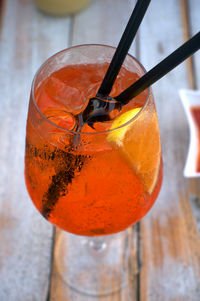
(106,177)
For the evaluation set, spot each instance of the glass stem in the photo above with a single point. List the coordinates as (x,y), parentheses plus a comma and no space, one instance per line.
(98,244)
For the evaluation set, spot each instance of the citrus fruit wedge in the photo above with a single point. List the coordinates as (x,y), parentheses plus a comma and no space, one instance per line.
(139,144)
(117,136)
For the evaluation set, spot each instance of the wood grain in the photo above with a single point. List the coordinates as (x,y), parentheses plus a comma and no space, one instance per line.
(194,8)
(186,36)
(25,237)
(2,13)
(170,244)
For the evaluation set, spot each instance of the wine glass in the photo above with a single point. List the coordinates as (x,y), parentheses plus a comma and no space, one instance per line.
(92,181)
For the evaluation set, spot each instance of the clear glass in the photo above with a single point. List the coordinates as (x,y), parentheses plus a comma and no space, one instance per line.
(97,182)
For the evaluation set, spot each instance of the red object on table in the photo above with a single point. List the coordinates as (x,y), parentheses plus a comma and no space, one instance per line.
(196,115)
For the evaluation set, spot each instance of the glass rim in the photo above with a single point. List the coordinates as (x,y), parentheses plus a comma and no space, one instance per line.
(86,133)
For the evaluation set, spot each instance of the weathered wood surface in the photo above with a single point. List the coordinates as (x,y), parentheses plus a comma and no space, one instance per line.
(27,38)
(186,35)
(194,28)
(170,245)
(169,242)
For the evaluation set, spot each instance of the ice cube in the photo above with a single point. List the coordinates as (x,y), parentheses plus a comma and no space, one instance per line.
(72,98)
(60,118)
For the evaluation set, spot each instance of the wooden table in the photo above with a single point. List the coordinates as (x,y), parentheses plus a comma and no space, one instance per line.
(168,242)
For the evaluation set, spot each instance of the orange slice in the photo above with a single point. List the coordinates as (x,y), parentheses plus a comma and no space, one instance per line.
(139,144)
(117,136)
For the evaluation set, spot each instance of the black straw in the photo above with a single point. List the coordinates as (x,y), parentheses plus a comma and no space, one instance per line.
(123,46)
(161,69)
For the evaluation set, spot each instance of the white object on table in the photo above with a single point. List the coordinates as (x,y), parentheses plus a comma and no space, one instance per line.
(190,99)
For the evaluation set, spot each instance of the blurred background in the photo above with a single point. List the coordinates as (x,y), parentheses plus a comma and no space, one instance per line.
(167,239)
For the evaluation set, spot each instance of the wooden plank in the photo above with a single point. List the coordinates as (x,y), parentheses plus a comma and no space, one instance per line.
(103,23)
(169,240)
(194,8)
(28,38)
(2,13)
(195,204)
(187,34)
(107,20)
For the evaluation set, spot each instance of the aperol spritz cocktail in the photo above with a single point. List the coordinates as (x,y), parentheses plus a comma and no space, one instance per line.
(103,178)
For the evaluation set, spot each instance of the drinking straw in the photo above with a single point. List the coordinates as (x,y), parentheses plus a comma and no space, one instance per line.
(123,46)
(161,69)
